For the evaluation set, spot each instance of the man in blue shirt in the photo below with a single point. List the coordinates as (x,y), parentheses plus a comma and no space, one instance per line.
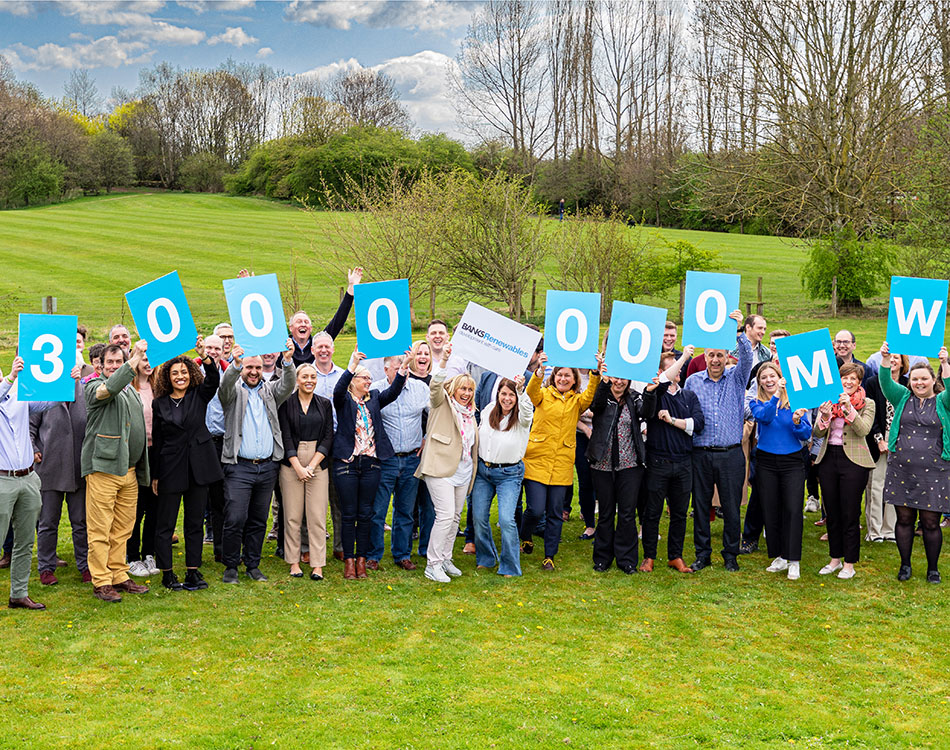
(402,420)
(251,448)
(20,499)
(718,460)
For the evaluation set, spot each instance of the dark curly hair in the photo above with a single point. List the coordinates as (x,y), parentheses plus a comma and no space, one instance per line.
(163,385)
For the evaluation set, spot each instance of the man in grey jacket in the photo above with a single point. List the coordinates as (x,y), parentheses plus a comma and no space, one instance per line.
(252,446)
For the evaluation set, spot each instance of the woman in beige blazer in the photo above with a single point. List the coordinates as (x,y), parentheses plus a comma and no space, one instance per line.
(448,462)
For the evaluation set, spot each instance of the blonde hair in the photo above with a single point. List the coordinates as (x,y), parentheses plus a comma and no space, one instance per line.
(451,386)
(415,351)
(359,372)
(761,394)
(305,366)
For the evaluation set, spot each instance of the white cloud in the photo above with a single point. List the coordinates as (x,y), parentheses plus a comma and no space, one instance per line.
(325,72)
(200,6)
(18,7)
(106,52)
(111,12)
(164,33)
(264,52)
(233,35)
(422,15)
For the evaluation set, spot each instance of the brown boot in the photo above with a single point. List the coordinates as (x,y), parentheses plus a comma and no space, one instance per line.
(678,564)
(349,569)
(647,565)
(361,567)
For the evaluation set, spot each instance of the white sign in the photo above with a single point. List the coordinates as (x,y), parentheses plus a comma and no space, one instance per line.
(493,341)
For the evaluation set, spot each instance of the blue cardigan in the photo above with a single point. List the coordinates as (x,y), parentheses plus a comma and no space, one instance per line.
(345,437)
(777,432)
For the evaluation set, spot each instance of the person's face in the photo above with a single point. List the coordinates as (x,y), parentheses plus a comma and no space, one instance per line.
(121,337)
(850,382)
(756,332)
(669,339)
(664,364)
(113,361)
(252,370)
(306,380)
(772,347)
(391,368)
(844,345)
(179,376)
(269,360)
(423,358)
(97,364)
(437,336)
(896,366)
(716,362)
(80,342)
(301,327)
(768,379)
(361,384)
(144,368)
(618,386)
(564,380)
(507,398)
(464,394)
(227,340)
(323,350)
(921,383)
(213,348)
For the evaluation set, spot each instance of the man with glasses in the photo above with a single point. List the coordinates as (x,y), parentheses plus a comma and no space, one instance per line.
(844,343)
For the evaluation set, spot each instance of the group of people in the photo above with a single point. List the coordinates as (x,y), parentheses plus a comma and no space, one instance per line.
(226,437)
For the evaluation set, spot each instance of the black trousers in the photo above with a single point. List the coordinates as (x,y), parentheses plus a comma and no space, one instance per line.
(249,490)
(842,484)
(166,517)
(617,493)
(780,483)
(725,470)
(142,541)
(585,485)
(669,481)
(754,517)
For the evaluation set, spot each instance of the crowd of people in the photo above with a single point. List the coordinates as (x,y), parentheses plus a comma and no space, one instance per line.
(227,440)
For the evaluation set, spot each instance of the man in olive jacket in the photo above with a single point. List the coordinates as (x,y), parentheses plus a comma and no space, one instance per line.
(114,463)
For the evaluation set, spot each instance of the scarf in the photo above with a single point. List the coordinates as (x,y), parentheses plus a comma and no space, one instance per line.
(465,416)
(857,401)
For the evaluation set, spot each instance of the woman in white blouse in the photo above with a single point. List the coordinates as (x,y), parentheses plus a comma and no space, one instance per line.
(502,440)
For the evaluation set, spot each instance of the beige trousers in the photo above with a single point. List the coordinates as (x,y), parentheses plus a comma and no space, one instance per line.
(881,517)
(312,495)
(110,516)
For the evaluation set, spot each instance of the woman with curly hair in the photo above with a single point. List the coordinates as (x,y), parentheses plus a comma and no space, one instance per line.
(184,461)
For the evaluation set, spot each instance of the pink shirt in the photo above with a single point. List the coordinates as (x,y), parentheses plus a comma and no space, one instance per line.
(836,427)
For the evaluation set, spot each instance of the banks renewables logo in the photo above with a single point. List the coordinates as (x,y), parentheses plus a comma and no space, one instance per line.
(479,333)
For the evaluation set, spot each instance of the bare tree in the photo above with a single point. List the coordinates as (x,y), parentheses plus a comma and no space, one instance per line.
(370,98)
(82,94)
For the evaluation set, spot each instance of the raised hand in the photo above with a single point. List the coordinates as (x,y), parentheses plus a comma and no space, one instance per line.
(885,352)
(519,383)
(542,361)
(688,350)
(797,415)
(237,354)
(353,277)
(289,351)
(200,347)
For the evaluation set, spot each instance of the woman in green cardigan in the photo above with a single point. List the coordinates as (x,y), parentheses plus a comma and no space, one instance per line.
(918,469)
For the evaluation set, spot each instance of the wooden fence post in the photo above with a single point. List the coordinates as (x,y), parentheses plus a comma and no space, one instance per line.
(432,302)
(682,298)
(534,292)
(834,296)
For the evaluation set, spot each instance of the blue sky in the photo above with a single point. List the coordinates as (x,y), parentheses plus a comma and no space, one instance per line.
(413,41)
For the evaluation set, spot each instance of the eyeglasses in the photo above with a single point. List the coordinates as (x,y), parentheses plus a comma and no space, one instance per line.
(227,337)
(843,342)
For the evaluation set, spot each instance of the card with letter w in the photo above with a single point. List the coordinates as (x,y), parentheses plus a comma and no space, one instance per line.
(917,316)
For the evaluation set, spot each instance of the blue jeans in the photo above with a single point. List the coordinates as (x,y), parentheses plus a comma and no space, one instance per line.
(426,517)
(544,501)
(506,483)
(356,482)
(396,480)
(248,490)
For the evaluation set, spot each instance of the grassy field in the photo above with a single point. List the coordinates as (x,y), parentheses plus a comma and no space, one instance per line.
(569,658)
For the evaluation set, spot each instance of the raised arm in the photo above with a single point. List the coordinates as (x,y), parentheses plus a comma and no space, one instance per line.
(346,304)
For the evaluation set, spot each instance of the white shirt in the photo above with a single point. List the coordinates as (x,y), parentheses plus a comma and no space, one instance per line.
(505,446)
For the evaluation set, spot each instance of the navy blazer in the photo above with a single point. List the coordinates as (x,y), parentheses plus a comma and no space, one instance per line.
(345,437)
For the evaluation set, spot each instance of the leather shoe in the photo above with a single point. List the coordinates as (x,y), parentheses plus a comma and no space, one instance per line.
(130,587)
(5,561)
(406,564)
(48,578)
(469,549)
(107,594)
(629,569)
(600,568)
(86,576)
(361,567)
(904,573)
(61,563)
(698,565)
(678,564)
(338,554)
(349,569)
(372,565)
(647,565)
(25,603)
(731,565)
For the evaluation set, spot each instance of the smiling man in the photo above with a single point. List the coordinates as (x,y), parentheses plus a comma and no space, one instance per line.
(301,327)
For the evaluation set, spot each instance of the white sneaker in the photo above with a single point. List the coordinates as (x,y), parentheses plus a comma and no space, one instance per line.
(449,567)
(794,571)
(829,569)
(138,568)
(150,565)
(778,565)
(435,573)
(812,505)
